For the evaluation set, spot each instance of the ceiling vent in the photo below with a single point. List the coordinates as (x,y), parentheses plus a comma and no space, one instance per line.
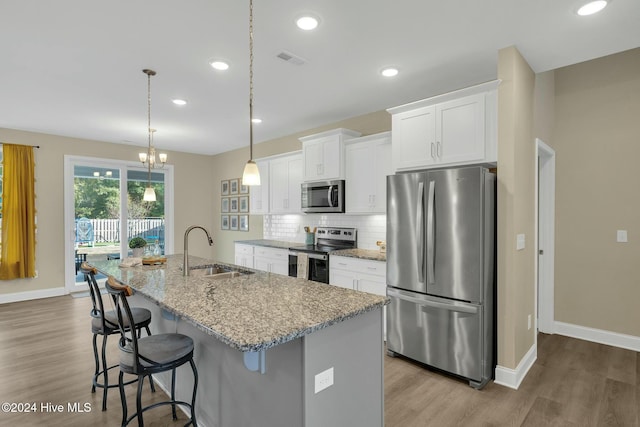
(291,58)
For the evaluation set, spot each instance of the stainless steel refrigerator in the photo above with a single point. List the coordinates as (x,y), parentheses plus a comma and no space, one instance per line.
(441,270)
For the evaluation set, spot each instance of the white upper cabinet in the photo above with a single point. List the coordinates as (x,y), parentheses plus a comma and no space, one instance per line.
(260,193)
(368,162)
(447,130)
(285,177)
(460,130)
(323,154)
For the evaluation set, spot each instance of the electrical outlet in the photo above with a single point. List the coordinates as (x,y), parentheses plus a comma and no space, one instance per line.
(529,322)
(323,380)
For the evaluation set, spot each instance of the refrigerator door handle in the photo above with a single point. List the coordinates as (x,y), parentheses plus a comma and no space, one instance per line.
(431,233)
(420,221)
(429,303)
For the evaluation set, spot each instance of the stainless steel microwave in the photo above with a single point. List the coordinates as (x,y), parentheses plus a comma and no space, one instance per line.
(323,196)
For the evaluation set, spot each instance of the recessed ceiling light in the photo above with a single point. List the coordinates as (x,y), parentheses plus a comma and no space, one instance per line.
(219,65)
(307,22)
(179,101)
(389,72)
(592,7)
(256,121)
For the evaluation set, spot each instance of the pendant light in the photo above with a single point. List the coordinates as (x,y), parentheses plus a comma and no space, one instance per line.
(251,174)
(149,156)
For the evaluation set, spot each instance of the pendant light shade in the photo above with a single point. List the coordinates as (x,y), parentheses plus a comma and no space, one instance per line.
(251,174)
(149,195)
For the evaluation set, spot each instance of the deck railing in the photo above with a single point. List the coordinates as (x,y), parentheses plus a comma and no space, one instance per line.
(108,230)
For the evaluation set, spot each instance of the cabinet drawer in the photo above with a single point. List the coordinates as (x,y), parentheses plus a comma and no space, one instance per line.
(375,268)
(244,249)
(271,252)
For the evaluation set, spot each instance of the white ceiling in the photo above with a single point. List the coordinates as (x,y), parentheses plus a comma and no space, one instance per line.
(73,67)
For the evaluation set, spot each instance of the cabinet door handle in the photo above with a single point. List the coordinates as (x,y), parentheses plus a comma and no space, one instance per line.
(433,156)
(439,149)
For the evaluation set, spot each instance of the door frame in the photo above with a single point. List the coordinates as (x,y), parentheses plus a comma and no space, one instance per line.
(69,208)
(545,236)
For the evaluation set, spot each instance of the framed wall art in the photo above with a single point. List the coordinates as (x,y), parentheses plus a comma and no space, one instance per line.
(233,186)
(233,204)
(244,203)
(244,222)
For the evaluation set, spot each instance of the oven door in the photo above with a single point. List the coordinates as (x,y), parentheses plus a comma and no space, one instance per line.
(318,270)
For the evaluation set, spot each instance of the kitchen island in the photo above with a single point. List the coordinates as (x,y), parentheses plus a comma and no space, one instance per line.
(261,341)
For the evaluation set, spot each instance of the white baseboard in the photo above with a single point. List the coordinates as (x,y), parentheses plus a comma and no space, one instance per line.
(512,378)
(29,295)
(629,342)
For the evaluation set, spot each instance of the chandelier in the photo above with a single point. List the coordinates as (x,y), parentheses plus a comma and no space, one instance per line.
(148,159)
(251,174)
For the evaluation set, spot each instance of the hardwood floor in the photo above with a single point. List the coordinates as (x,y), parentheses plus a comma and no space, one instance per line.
(573,383)
(46,356)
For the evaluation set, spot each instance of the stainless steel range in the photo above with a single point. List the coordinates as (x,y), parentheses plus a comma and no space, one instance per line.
(327,239)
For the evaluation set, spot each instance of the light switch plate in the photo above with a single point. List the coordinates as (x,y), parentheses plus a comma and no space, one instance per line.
(622,236)
(520,242)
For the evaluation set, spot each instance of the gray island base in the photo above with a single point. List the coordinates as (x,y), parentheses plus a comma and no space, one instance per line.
(308,335)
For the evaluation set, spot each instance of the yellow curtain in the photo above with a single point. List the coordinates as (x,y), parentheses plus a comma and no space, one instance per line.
(18,256)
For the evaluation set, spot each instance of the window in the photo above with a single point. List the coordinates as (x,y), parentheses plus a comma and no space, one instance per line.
(104,210)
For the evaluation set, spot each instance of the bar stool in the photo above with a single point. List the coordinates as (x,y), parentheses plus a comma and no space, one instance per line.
(149,355)
(105,323)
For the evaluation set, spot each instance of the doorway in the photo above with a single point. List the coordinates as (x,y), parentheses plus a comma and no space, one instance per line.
(545,241)
(104,210)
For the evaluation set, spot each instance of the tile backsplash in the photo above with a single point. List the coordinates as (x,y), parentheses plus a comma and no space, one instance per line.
(371,228)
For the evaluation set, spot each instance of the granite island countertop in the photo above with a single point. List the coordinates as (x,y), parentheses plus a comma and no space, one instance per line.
(250,312)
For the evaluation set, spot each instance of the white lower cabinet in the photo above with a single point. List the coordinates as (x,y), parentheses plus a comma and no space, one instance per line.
(360,275)
(244,255)
(272,260)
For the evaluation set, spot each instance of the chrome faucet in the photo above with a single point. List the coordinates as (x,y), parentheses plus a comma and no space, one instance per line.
(185,261)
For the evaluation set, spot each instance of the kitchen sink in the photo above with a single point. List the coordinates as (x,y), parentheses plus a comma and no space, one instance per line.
(216,271)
